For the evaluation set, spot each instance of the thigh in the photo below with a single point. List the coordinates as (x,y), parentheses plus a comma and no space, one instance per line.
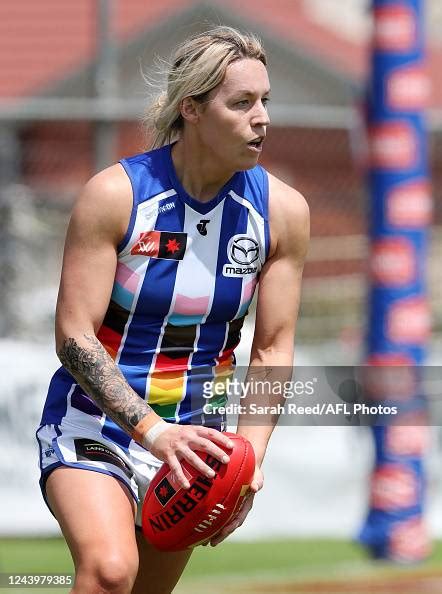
(158,572)
(96,515)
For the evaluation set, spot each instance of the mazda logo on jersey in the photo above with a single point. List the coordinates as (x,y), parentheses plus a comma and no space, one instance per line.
(242,252)
(166,245)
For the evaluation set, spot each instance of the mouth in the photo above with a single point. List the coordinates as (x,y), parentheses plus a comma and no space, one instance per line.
(256,144)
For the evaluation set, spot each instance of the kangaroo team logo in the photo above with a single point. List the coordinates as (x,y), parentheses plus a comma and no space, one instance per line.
(242,252)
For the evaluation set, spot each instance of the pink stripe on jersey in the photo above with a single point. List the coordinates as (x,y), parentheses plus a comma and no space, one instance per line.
(191,305)
(127,278)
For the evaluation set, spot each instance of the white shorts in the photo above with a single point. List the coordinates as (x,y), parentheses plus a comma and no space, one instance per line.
(79,447)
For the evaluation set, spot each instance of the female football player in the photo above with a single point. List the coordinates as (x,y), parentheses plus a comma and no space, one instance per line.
(163,254)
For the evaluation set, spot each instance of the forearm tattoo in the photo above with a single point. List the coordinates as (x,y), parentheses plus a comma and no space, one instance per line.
(101,379)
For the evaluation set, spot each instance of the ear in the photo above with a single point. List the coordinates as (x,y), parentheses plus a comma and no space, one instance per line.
(189,110)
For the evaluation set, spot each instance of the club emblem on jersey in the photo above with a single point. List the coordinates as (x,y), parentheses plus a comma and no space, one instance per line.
(166,245)
(242,252)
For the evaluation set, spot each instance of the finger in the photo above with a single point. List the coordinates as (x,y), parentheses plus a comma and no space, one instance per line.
(256,485)
(205,445)
(223,534)
(258,481)
(247,503)
(246,506)
(216,436)
(177,470)
(219,537)
(235,523)
(196,462)
(217,540)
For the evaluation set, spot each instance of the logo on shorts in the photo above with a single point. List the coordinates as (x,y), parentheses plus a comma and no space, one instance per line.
(94,451)
(49,452)
(242,252)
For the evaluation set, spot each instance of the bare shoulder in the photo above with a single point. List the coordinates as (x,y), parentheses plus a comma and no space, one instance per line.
(289,218)
(104,205)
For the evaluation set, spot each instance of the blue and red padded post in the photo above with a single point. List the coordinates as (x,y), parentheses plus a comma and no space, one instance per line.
(399,320)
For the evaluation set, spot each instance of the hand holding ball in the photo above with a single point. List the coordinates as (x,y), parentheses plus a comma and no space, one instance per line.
(174,518)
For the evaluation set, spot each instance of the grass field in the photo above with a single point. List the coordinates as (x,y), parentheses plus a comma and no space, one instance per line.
(276,567)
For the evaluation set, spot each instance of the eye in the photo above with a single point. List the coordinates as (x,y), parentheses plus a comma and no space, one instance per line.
(265,101)
(242,103)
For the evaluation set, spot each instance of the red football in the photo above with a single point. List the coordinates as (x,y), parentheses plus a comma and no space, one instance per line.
(174,518)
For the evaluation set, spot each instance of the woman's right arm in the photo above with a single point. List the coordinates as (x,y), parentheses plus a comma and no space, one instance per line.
(98,224)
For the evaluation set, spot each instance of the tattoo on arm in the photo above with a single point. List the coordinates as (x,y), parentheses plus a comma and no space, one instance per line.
(102,380)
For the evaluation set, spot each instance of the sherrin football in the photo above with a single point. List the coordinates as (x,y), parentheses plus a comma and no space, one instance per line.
(174,518)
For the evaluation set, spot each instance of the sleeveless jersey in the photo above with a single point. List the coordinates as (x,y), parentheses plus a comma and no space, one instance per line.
(185,277)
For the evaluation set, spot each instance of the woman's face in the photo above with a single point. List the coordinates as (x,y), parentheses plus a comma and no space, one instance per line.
(233,122)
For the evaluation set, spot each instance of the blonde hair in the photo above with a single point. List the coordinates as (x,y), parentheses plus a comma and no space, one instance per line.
(198,65)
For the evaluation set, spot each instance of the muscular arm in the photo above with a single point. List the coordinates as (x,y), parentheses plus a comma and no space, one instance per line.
(97,225)
(279,294)
(98,375)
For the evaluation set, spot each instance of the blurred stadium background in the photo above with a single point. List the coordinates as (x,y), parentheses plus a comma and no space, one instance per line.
(71,99)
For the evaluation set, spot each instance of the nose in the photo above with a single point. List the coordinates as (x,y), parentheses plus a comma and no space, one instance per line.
(260,115)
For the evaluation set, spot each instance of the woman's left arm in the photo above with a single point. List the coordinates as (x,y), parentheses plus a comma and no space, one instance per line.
(279,294)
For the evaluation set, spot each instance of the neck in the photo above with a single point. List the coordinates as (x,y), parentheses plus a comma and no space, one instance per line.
(197,170)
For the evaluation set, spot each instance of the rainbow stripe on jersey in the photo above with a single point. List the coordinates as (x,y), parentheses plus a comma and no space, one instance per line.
(186,275)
